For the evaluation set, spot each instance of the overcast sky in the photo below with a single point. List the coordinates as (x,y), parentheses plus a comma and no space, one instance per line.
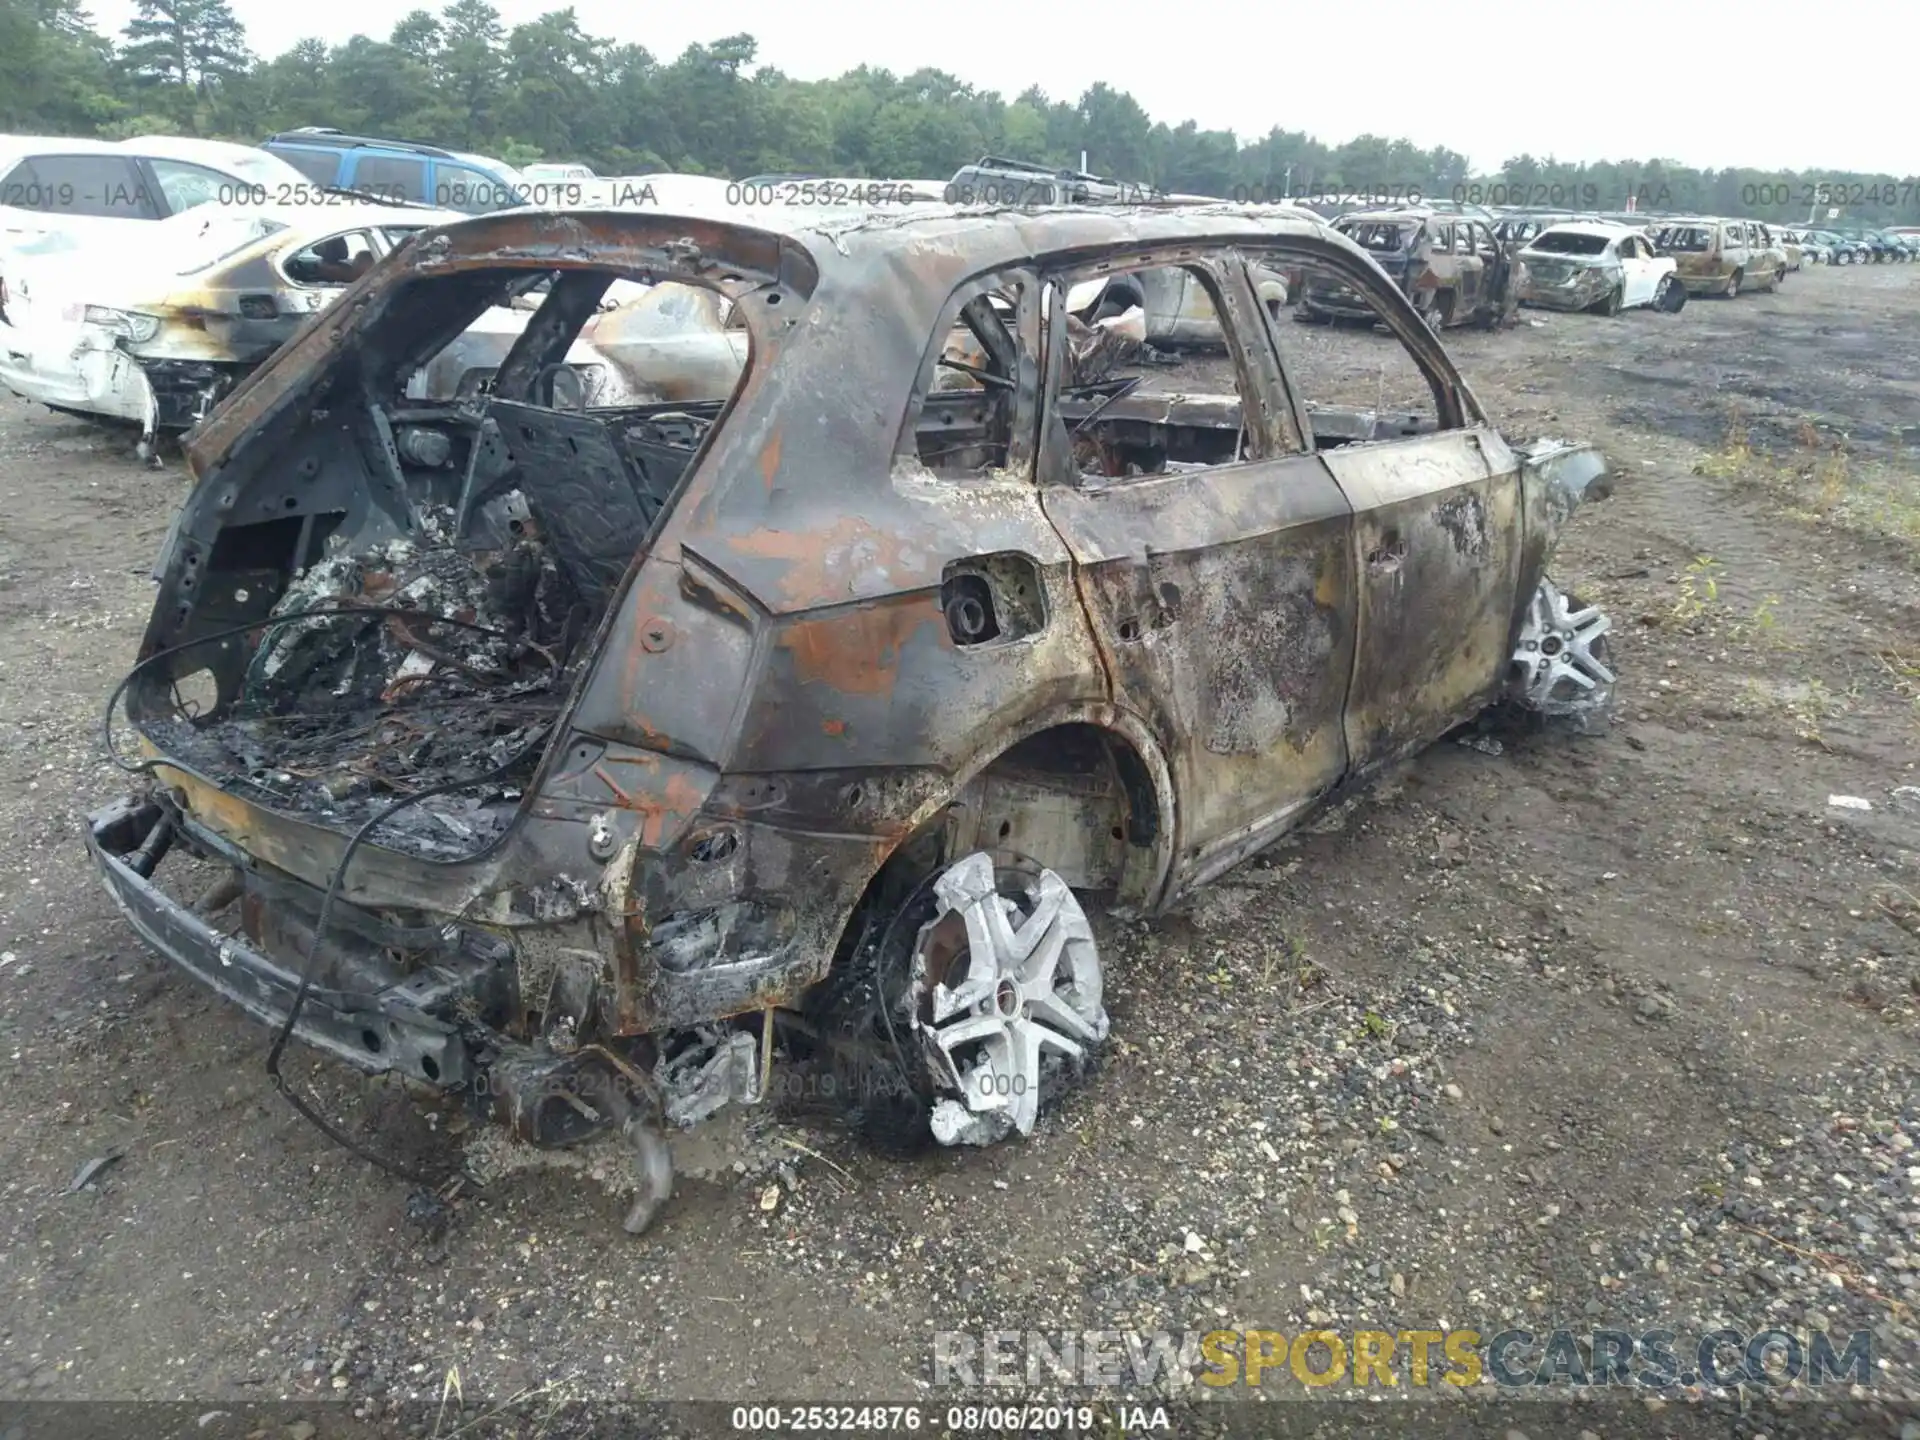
(1706,85)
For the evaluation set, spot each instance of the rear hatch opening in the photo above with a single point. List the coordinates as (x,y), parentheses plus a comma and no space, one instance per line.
(475,538)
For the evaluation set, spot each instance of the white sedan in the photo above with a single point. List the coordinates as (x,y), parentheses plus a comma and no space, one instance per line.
(56,191)
(1599,266)
(159,332)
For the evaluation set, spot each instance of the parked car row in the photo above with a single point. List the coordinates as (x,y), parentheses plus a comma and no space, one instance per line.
(1803,245)
(249,241)
(238,246)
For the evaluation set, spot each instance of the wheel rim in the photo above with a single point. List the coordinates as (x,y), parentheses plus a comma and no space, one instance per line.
(1008,997)
(1560,660)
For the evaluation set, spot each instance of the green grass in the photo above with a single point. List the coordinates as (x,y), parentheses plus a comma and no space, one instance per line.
(1822,481)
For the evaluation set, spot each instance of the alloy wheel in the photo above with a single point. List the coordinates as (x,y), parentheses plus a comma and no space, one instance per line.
(1008,986)
(1560,663)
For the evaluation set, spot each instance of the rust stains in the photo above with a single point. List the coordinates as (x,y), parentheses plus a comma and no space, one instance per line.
(857,652)
(678,800)
(826,566)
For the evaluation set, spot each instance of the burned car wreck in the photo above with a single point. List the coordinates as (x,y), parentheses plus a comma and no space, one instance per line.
(580,758)
(1453,268)
(216,293)
(158,337)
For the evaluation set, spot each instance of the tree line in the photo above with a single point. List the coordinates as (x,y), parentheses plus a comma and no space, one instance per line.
(549,90)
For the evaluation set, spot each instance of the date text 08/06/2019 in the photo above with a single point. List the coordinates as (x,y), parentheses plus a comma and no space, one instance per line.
(1016,1419)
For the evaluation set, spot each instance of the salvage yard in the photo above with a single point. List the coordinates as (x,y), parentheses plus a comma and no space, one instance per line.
(1607,1030)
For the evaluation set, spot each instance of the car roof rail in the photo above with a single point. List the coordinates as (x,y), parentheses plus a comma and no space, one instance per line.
(339,139)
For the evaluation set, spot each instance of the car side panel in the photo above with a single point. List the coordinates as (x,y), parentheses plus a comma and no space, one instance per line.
(1223,601)
(1642,276)
(1437,525)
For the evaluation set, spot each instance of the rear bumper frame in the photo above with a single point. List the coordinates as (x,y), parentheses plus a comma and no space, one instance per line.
(385,1027)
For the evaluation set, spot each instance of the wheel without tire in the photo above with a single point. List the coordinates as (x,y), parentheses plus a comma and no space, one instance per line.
(1732,287)
(1006,984)
(1561,662)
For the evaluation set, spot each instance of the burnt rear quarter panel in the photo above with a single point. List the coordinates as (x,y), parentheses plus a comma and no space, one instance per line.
(789,618)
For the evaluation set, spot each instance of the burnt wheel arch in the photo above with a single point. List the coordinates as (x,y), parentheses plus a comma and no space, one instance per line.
(1051,760)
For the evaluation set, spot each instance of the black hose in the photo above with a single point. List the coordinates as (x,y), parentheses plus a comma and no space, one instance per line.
(280,1082)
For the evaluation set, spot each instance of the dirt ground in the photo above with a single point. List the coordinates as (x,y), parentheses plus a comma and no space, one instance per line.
(1613,1030)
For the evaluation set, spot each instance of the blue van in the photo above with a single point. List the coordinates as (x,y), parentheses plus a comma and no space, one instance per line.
(401,170)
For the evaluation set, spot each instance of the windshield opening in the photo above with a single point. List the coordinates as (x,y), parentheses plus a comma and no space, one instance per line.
(1381,236)
(1570,242)
(1683,237)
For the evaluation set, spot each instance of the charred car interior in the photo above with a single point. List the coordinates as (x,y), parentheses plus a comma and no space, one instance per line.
(584,749)
(503,524)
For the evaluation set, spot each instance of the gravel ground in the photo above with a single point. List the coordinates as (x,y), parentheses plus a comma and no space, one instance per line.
(1603,1032)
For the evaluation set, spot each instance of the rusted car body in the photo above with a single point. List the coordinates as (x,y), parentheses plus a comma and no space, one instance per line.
(1722,257)
(659,725)
(1451,266)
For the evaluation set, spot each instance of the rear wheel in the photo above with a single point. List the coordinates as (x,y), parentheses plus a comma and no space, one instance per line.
(975,1004)
(1613,304)
(1732,288)
(1007,986)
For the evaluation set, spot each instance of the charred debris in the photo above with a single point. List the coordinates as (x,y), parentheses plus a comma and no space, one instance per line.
(423,635)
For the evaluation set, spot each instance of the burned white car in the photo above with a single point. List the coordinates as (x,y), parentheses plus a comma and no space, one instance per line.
(157,332)
(160,342)
(588,760)
(1175,312)
(1605,268)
